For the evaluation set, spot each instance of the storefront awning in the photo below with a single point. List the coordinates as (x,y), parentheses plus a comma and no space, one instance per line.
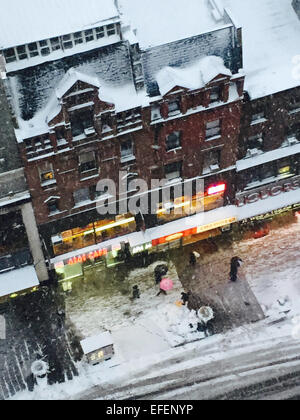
(269,205)
(17,280)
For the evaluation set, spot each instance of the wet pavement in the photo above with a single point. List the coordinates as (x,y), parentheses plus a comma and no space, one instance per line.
(38,328)
(35,330)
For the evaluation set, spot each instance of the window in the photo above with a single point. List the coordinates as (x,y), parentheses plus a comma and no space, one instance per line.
(87,162)
(53,206)
(33,49)
(255,144)
(215,94)
(55,44)
(127,150)
(213,129)
(22,54)
(106,123)
(174,107)
(268,171)
(67,42)
(211,161)
(155,112)
(78,39)
(173,141)
(258,117)
(89,35)
(10,55)
(284,167)
(81,121)
(173,171)
(47,176)
(82,195)
(100,33)
(294,104)
(44,48)
(111,30)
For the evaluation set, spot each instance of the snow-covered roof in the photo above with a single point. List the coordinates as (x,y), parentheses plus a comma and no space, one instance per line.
(192,77)
(97,342)
(124,98)
(71,77)
(159,22)
(35,20)
(18,280)
(271,36)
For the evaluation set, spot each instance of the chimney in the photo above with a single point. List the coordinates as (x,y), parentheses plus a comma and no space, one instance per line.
(296,6)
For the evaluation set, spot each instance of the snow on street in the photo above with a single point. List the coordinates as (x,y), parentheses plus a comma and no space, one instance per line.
(272,267)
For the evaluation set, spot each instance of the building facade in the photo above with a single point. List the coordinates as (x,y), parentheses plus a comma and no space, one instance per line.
(22,262)
(97,103)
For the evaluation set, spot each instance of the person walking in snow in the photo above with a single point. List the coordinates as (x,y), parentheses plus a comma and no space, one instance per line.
(236,262)
(185,297)
(136,294)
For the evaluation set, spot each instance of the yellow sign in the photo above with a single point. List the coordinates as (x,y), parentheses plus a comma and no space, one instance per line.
(216,225)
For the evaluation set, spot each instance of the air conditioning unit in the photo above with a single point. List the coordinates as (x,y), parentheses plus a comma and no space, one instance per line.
(292,141)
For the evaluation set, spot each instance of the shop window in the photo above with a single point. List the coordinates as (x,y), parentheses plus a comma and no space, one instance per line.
(81,122)
(87,162)
(211,161)
(173,171)
(55,44)
(213,129)
(174,107)
(33,49)
(111,30)
(100,33)
(82,195)
(78,39)
(127,151)
(89,35)
(22,53)
(215,94)
(10,55)
(173,141)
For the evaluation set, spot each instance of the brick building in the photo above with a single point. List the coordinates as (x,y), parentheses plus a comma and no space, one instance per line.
(94,100)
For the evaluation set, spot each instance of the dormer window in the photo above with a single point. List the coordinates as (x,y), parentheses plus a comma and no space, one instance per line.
(111,30)
(81,122)
(215,94)
(78,38)
(10,55)
(100,33)
(67,42)
(22,54)
(174,107)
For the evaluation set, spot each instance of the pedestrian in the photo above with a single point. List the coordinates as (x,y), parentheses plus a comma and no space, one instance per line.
(193,259)
(136,294)
(236,262)
(185,297)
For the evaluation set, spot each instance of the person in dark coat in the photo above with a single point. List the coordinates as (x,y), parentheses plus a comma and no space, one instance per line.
(235,264)
(136,294)
(185,297)
(193,259)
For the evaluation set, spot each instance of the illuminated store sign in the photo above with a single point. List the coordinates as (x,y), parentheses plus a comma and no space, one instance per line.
(215,225)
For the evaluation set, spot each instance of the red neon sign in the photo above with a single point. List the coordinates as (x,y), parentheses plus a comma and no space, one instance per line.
(84,257)
(216,189)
